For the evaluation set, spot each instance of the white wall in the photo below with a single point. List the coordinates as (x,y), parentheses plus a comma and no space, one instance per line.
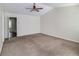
(62,22)
(26,24)
(1,29)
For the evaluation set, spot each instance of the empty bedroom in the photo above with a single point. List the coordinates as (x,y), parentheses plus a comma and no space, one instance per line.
(39,29)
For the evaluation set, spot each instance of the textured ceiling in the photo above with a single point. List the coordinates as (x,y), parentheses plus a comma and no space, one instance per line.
(21,8)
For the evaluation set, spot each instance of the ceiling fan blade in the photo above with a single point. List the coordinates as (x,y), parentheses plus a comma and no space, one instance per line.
(28,8)
(39,8)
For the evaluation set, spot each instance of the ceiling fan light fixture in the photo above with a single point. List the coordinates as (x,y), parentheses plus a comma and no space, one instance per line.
(34,8)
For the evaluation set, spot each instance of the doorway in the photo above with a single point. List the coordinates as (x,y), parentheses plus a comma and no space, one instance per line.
(12,27)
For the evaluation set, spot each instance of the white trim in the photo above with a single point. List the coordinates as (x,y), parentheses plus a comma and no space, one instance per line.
(3,12)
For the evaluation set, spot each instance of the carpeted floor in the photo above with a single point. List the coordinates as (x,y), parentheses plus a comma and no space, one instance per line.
(39,45)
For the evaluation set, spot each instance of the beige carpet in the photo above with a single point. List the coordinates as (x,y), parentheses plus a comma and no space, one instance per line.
(39,45)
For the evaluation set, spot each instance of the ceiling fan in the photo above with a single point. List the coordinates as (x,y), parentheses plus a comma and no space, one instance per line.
(34,8)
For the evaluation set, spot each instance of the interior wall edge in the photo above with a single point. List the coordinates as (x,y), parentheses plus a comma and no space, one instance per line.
(1,48)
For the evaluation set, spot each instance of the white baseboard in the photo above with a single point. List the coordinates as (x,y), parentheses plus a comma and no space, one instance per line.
(27,34)
(62,37)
